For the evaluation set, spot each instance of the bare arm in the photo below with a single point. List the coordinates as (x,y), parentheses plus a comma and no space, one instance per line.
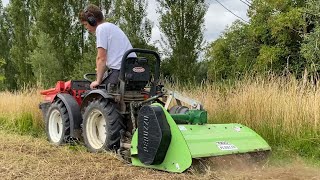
(101,64)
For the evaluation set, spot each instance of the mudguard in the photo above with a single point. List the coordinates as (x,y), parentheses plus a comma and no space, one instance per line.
(97,93)
(73,112)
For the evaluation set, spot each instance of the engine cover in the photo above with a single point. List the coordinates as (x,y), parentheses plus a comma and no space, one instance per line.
(154,135)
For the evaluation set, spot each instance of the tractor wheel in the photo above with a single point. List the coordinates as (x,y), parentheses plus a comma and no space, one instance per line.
(102,124)
(57,123)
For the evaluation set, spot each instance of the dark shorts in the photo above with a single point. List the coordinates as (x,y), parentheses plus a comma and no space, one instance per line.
(111,76)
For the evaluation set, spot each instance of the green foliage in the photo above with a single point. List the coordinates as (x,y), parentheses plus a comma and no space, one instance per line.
(310,50)
(2,77)
(45,61)
(87,63)
(58,20)
(220,65)
(9,70)
(268,58)
(24,125)
(3,46)
(182,25)
(19,16)
(131,18)
(42,41)
(271,42)
(233,54)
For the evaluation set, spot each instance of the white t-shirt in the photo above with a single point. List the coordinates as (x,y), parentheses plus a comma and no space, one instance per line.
(116,43)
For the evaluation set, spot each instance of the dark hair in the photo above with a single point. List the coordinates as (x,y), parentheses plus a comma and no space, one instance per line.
(91,10)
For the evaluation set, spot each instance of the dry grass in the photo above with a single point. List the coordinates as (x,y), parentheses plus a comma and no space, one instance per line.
(20,112)
(24,157)
(294,102)
(276,107)
(15,104)
(289,103)
(283,110)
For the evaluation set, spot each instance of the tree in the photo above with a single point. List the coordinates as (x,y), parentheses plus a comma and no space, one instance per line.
(19,17)
(5,45)
(310,47)
(182,23)
(44,63)
(59,42)
(270,42)
(2,77)
(131,17)
(279,26)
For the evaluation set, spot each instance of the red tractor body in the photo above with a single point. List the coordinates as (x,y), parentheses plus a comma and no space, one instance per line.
(74,88)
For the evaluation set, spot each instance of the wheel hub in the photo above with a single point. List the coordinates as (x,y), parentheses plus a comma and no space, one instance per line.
(55,126)
(96,129)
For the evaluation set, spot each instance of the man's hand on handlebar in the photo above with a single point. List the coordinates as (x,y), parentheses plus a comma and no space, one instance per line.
(94,84)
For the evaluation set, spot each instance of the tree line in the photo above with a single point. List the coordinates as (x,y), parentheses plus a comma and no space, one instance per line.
(281,38)
(42,41)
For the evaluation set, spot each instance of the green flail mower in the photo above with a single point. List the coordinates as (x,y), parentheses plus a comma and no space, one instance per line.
(134,119)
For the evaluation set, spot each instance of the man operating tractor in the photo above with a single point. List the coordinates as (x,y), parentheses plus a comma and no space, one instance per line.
(111,43)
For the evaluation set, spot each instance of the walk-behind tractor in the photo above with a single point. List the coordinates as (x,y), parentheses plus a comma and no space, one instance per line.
(133,118)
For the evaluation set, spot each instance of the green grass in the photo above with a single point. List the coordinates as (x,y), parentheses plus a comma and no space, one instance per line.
(24,124)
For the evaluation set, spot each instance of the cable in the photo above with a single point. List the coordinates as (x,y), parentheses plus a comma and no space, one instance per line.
(231,12)
(246,3)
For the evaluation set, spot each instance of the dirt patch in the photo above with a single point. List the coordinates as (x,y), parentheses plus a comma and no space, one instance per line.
(23,157)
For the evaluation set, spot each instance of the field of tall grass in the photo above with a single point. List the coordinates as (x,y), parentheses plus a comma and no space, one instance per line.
(19,112)
(283,110)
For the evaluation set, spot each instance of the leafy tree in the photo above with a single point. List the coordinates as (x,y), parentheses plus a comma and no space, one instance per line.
(87,62)
(279,26)
(58,23)
(271,41)
(182,23)
(130,15)
(233,54)
(310,47)
(19,17)
(105,5)
(5,43)
(2,77)
(44,63)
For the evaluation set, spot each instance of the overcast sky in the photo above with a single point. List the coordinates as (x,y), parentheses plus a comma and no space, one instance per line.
(217,17)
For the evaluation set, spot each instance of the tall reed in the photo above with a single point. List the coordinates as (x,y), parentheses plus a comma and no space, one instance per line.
(283,110)
(19,111)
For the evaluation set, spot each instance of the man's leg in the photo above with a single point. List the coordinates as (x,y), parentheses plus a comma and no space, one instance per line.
(112,77)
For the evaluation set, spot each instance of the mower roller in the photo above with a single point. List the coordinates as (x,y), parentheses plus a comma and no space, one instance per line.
(135,119)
